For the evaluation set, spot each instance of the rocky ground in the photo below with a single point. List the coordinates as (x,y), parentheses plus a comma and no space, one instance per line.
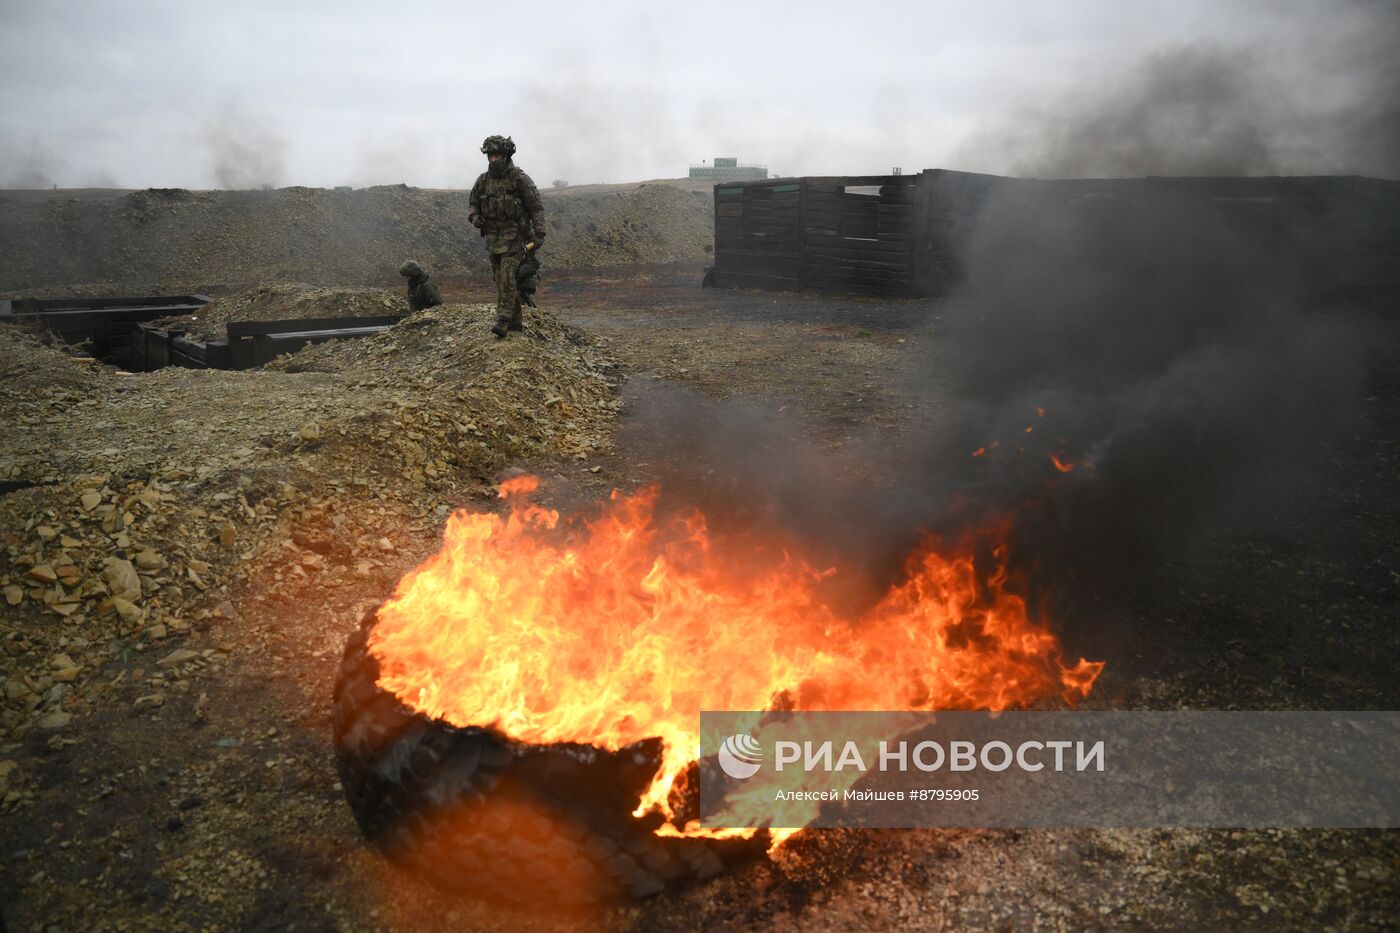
(139,510)
(159,490)
(185,554)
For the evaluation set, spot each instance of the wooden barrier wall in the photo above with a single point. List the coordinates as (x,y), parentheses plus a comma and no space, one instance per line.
(906,235)
(852,235)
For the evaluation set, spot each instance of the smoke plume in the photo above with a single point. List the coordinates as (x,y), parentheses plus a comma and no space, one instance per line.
(1131,378)
(634,122)
(244,152)
(1115,379)
(31,163)
(1331,107)
(1110,386)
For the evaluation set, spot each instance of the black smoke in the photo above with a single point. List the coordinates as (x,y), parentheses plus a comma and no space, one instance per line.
(1114,383)
(1138,374)
(1122,373)
(1192,111)
(1327,104)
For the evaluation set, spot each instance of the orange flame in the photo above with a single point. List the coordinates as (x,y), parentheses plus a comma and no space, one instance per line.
(1065,465)
(624,628)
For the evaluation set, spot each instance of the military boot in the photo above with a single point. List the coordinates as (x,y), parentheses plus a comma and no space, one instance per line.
(501,326)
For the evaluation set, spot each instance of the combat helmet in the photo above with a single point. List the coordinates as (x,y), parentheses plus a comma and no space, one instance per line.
(502,144)
(410,269)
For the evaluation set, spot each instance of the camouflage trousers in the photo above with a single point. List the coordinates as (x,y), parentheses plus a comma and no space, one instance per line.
(503,267)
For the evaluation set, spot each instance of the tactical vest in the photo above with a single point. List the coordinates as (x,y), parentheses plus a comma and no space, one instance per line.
(503,216)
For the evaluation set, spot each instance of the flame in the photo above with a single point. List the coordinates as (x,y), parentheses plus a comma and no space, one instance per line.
(625,627)
(1063,465)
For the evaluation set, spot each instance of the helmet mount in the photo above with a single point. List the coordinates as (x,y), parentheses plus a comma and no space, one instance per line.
(498,145)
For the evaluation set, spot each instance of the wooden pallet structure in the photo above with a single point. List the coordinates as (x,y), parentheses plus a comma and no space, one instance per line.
(851,234)
(895,236)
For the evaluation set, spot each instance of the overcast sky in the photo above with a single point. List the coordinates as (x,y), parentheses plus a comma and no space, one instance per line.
(137,93)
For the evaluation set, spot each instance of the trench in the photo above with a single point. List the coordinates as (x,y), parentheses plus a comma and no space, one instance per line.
(132,333)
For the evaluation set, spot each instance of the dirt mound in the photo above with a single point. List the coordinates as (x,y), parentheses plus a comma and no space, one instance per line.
(172,240)
(143,499)
(28,363)
(289,302)
(652,223)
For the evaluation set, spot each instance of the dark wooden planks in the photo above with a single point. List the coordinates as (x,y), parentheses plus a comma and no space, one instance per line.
(813,233)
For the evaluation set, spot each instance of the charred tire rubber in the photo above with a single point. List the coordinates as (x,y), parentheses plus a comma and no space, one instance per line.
(476,812)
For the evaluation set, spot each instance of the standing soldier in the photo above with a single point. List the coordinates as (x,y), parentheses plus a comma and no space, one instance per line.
(506,208)
(422,294)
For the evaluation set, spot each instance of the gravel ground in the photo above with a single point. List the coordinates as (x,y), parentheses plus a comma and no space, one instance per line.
(166,763)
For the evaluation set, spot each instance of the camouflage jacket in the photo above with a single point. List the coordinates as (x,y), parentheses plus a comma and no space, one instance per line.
(422,293)
(509,210)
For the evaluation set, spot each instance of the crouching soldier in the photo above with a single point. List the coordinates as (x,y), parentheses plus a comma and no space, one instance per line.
(422,293)
(506,208)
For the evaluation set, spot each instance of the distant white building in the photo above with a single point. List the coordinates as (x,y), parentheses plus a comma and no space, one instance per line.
(728,168)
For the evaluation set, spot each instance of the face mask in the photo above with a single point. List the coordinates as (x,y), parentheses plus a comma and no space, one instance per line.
(497,168)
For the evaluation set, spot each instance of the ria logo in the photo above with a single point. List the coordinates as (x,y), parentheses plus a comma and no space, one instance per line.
(740,756)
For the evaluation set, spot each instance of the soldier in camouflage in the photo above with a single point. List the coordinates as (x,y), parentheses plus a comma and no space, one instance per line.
(422,293)
(506,208)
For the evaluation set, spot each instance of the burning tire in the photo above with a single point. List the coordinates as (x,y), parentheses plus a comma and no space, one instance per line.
(475,811)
